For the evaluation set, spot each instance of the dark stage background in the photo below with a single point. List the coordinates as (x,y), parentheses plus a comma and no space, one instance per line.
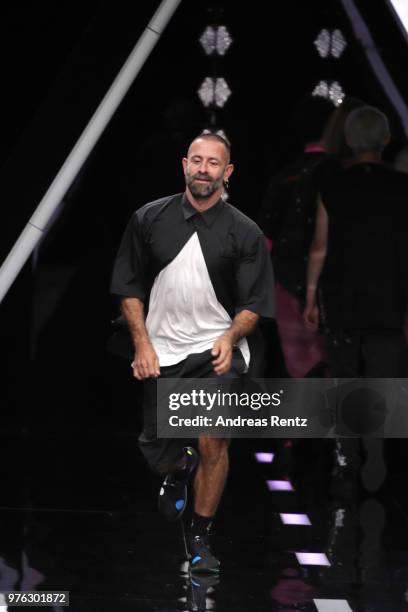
(77,504)
(70,410)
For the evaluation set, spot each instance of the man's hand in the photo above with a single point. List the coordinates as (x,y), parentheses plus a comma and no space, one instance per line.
(311,316)
(222,351)
(146,363)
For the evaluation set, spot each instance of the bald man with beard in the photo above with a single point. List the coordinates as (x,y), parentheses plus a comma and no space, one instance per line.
(194,277)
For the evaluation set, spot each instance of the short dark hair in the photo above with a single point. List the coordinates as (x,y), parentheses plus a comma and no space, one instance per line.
(208,135)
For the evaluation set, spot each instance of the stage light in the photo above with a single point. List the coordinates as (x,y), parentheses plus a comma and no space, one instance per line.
(215,39)
(338,43)
(322,43)
(207,40)
(206,91)
(279,485)
(218,132)
(332,605)
(224,40)
(264,457)
(331,91)
(308,558)
(336,93)
(295,519)
(330,43)
(214,92)
(321,89)
(222,92)
(222,134)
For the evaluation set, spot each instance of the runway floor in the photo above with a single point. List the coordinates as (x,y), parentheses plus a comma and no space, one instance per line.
(80,515)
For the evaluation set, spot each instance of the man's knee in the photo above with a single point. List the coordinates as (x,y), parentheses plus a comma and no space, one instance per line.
(163,456)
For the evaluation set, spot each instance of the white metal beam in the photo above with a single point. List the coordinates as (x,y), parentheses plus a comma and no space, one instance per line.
(362,33)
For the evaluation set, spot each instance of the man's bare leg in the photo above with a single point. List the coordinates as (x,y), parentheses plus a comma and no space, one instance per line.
(209,484)
(211,475)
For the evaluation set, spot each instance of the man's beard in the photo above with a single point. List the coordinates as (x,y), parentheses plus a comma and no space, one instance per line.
(202,191)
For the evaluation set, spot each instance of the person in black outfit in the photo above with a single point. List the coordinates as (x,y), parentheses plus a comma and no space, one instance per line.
(286,217)
(359,257)
(358,263)
(194,277)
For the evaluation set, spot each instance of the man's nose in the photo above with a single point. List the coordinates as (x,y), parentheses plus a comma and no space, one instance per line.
(203,167)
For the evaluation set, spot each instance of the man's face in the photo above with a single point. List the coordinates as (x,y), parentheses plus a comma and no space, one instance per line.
(206,167)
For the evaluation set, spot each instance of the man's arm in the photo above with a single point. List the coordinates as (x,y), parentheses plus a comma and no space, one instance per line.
(242,325)
(146,363)
(317,256)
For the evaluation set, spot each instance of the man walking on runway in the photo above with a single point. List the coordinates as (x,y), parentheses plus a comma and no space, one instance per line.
(194,277)
(358,266)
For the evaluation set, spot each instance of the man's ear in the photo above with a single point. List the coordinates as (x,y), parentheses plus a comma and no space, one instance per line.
(228,171)
(184,161)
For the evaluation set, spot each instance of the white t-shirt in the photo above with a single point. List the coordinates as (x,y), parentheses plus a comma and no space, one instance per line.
(184,315)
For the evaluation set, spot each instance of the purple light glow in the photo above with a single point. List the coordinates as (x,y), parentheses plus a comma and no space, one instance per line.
(264,457)
(308,558)
(295,519)
(279,485)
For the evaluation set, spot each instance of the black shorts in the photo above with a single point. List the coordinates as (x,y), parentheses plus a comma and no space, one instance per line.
(162,453)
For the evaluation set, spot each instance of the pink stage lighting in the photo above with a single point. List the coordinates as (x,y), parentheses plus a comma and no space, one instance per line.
(295,519)
(308,558)
(279,485)
(264,457)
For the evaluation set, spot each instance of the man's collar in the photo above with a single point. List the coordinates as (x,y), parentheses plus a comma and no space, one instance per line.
(208,216)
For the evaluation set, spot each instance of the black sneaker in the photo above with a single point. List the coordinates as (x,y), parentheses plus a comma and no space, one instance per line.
(173,492)
(201,558)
